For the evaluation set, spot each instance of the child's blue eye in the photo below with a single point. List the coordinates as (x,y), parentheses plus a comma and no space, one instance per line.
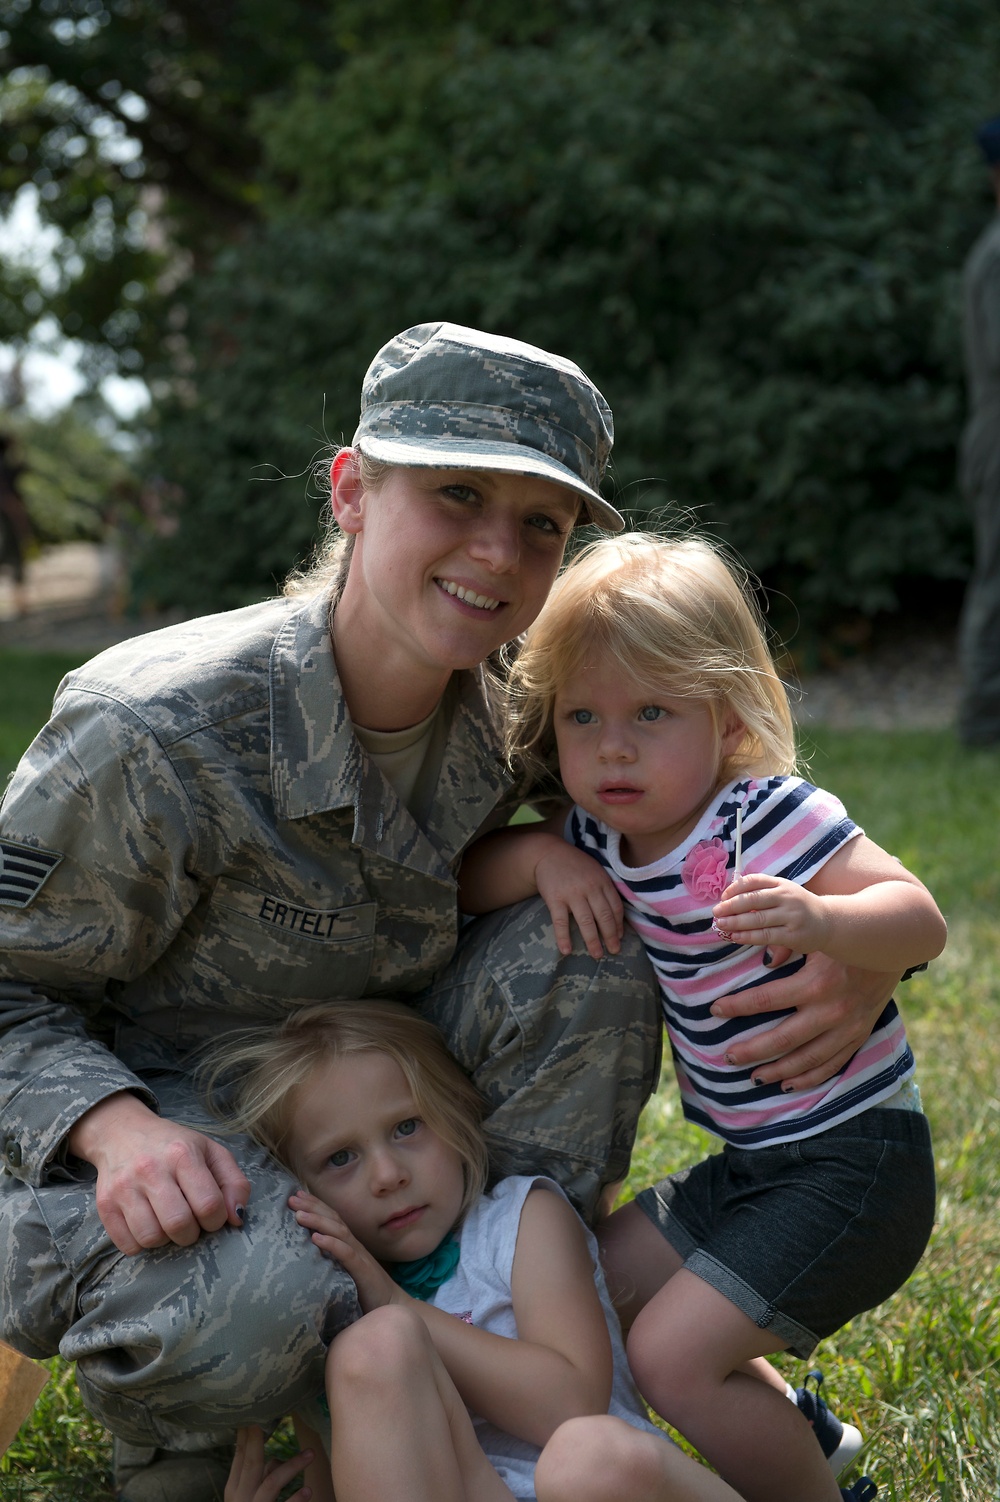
(583,717)
(340,1159)
(650,712)
(407,1128)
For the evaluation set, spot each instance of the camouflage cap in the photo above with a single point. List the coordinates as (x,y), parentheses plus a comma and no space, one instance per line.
(443,396)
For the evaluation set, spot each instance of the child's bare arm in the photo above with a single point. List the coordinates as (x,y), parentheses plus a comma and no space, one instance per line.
(526,860)
(863,908)
(560,1365)
(558,1368)
(499,869)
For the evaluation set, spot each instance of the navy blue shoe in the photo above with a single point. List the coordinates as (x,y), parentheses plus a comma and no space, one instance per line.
(839,1442)
(864,1490)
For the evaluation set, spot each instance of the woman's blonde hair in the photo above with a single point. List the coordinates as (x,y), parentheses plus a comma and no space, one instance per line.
(680,620)
(252,1078)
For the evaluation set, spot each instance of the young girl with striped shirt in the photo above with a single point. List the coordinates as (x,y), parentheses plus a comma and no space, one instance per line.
(648,675)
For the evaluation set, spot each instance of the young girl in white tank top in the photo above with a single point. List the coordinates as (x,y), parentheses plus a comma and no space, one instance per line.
(487,1363)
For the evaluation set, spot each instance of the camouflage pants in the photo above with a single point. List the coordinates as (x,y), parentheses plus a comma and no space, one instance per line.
(177,1346)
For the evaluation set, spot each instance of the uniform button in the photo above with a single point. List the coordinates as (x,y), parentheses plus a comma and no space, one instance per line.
(12,1152)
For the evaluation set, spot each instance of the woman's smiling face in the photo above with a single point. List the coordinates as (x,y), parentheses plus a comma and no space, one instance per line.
(450,564)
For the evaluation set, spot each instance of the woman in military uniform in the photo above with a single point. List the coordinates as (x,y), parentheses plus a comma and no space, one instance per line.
(249,812)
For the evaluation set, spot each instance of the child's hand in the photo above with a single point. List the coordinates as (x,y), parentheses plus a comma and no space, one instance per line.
(768,910)
(573,884)
(330,1234)
(252,1478)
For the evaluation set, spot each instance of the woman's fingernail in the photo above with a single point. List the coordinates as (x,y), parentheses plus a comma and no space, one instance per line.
(758,1082)
(767,956)
(241,1213)
(731,1060)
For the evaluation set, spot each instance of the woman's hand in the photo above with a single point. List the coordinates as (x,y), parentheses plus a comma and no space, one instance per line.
(252,1478)
(330,1234)
(157,1182)
(834,1008)
(573,885)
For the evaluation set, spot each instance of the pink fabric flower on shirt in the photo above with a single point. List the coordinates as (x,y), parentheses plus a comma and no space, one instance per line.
(705,870)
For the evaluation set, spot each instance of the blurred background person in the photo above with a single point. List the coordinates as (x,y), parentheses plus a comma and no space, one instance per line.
(979,471)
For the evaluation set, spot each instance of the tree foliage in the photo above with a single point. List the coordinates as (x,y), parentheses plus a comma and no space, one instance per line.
(129,119)
(75,482)
(71,478)
(745,219)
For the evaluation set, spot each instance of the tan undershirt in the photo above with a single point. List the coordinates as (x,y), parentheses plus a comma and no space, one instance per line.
(409,759)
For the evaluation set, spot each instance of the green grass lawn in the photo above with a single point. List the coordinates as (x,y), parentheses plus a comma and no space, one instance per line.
(28,681)
(921,1374)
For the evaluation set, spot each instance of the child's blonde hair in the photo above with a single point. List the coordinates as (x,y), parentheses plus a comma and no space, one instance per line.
(680,620)
(252,1078)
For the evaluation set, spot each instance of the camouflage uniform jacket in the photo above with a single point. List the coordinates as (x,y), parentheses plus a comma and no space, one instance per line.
(226,851)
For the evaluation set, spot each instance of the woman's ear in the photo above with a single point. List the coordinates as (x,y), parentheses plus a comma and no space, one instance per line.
(346,491)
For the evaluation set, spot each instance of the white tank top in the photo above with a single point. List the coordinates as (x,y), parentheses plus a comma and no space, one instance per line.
(479,1291)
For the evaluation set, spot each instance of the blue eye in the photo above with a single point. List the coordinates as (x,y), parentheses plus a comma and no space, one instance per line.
(340,1159)
(650,712)
(408,1127)
(583,717)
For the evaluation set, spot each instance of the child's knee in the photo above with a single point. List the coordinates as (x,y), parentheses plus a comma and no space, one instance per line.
(566,1461)
(649,1359)
(593,1458)
(668,1374)
(385,1347)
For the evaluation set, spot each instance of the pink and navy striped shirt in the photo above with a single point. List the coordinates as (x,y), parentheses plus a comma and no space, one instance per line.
(790,829)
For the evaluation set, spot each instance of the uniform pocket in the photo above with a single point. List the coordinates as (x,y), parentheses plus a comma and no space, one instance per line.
(284,948)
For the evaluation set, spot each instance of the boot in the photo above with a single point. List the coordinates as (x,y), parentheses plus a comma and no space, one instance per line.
(143,1473)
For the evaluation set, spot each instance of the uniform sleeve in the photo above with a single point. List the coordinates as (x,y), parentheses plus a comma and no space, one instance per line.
(98,839)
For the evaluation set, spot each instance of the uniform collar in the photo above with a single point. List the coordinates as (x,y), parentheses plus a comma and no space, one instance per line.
(318,764)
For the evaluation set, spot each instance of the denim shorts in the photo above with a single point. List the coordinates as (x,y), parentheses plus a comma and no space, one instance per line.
(804,1235)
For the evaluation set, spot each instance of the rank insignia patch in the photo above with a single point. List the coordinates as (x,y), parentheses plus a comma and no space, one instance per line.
(23,872)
